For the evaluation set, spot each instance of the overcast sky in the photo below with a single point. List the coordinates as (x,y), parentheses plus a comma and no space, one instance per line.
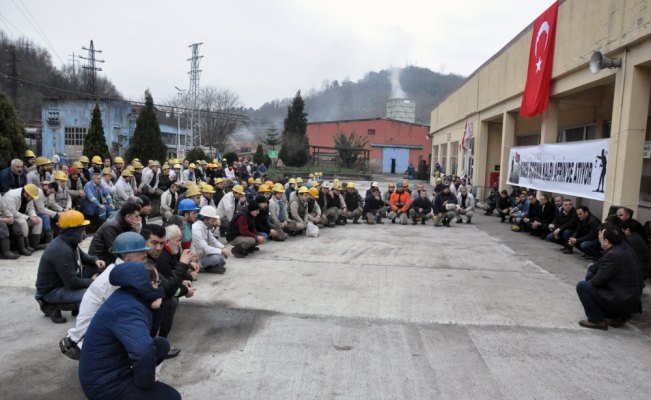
(266,49)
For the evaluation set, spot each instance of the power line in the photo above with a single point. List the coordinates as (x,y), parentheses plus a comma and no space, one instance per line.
(193,95)
(10,24)
(37,28)
(92,74)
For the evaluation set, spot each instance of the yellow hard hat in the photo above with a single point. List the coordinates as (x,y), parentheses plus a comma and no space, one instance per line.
(29,154)
(314,192)
(137,165)
(391,184)
(303,189)
(336,186)
(207,189)
(210,165)
(97,160)
(351,185)
(127,172)
(405,184)
(193,191)
(155,163)
(292,180)
(130,168)
(118,160)
(238,189)
(219,165)
(166,166)
(258,181)
(31,190)
(215,161)
(201,184)
(72,219)
(60,176)
(84,159)
(177,166)
(336,180)
(189,184)
(299,180)
(269,183)
(250,180)
(218,181)
(278,188)
(135,160)
(192,165)
(42,161)
(107,171)
(263,189)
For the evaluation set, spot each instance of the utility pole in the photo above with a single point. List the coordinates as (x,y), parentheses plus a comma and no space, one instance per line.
(92,69)
(13,73)
(194,139)
(73,59)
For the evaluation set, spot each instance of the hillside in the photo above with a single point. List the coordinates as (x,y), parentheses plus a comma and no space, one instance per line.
(367,97)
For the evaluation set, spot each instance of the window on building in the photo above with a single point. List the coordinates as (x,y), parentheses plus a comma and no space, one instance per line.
(454,157)
(444,157)
(578,134)
(528,140)
(371,132)
(74,135)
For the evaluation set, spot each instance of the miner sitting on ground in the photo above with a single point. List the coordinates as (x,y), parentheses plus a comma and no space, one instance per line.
(242,234)
(613,285)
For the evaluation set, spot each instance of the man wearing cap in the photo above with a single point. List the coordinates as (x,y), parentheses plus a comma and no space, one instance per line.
(107,181)
(232,203)
(400,201)
(30,160)
(118,167)
(242,234)
(75,186)
(189,174)
(47,209)
(220,187)
(41,173)
(127,247)
(62,196)
(123,188)
(168,202)
(20,203)
(298,211)
(98,165)
(211,252)
(65,270)
(207,193)
(150,180)
(12,177)
(98,201)
(278,211)
(354,203)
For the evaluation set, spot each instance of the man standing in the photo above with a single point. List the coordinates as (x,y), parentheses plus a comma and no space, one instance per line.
(65,271)
(613,285)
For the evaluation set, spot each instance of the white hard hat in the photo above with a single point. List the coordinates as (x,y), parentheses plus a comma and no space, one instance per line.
(209,212)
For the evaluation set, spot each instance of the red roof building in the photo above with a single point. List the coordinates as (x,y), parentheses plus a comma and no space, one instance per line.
(392,144)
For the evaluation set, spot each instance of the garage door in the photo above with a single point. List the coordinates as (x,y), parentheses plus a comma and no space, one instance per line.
(395,160)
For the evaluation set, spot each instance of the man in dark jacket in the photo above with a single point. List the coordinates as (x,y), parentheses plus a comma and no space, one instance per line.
(641,248)
(586,235)
(126,220)
(613,285)
(535,209)
(242,233)
(421,208)
(374,207)
(444,209)
(504,205)
(540,226)
(354,203)
(12,177)
(119,357)
(564,224)
(61,278)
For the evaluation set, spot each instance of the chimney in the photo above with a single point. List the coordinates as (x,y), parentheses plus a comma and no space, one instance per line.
(401,109)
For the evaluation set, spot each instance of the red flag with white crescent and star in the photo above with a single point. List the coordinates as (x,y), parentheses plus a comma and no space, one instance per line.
(541,58)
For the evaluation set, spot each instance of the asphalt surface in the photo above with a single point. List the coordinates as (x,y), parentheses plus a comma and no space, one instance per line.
(366,312)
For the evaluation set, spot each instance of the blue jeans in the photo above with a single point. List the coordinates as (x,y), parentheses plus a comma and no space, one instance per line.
(102,214)
(61,295)
(212,260)
(596,308)
(563,236)
(47,226)
(160,390)
(590,247)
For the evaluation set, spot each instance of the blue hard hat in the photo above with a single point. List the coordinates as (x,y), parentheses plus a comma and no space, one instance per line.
(187,205)
(128,242)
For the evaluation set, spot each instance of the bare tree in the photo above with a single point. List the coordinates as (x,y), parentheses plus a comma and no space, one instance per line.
(220,115)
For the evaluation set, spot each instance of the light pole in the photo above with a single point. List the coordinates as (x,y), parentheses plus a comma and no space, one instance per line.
(178,128)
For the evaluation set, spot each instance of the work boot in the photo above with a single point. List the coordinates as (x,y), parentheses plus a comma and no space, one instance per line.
(22,249)
(5,250)
(356,221)
(35,242)
(55,315)
(238,252)
(28,246)
(69,348)
(468,220)
(47,236)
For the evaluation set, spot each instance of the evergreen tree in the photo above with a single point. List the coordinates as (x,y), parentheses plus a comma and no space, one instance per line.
(95,142)
(12,133)
(272,139)
(350,147)
(196,154)
(147,142)
(231,157)
(258,157)
(295,144)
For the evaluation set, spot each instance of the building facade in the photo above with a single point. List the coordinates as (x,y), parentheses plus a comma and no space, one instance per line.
(613,103)
(393,144)
(66,122)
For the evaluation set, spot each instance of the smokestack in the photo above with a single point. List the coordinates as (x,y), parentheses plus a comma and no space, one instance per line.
(401,109)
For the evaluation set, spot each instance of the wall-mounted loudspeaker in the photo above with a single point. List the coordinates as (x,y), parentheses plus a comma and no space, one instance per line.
(598,62)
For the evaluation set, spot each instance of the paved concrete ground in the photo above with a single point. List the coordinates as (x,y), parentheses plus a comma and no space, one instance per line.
(366,312)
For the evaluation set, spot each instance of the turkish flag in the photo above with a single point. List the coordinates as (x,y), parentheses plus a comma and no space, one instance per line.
(541,58)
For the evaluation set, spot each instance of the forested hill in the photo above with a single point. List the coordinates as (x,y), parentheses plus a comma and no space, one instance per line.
(27,75)
(366,98)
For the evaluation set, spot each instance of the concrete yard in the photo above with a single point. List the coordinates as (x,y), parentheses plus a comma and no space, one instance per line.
(366,312)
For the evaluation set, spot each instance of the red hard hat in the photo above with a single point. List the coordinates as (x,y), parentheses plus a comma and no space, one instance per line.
(72,171)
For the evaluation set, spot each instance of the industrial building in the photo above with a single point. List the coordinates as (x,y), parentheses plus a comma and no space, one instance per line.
(66,122)
(612,103)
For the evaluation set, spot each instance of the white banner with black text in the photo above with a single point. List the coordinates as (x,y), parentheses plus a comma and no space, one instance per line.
(575,169)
